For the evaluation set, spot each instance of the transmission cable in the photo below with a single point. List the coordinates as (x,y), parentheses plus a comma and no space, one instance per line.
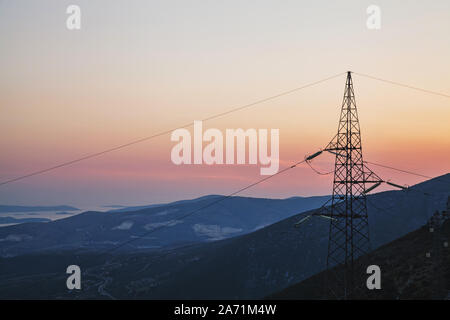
(404,85)
(93,155)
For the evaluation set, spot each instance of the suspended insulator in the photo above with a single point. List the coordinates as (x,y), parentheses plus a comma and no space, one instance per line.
(373,187)
(396,185)
(327,217)
(313,155)
(301,221)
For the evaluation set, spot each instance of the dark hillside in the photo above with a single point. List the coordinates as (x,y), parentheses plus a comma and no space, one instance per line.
(412,267)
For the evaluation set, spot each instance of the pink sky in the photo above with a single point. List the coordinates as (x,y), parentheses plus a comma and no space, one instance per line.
(131,72)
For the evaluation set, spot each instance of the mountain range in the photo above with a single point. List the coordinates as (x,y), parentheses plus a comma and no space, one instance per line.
(261,259)
(13,209)
(94,230)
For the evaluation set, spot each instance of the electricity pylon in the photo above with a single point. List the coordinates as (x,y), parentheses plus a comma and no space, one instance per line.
(349,225)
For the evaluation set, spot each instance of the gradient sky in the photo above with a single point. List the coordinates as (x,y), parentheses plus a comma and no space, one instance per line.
(139,67)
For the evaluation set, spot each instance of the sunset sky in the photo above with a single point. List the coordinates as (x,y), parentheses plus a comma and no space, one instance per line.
(140,67)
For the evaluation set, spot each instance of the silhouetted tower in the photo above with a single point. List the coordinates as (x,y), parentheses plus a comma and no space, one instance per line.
(349,226)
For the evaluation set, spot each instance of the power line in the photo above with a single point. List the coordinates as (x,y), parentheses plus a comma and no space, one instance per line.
(401,170)
(193,212)
(317,171)
(229,196)
(438,179)
(93,155)
(225,198)
(218,201)
(403,85)
(168,252)
(205,206)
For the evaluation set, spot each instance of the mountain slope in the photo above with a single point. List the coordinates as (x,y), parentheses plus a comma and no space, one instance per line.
(103,230)
(269,259)
(249,266)
(412,267)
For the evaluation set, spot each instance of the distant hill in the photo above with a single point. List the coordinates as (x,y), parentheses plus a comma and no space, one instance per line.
(253,265)
(8,220)
(136,208)
(101,230)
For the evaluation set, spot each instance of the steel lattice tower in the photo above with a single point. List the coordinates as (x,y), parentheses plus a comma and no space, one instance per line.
(349,226)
